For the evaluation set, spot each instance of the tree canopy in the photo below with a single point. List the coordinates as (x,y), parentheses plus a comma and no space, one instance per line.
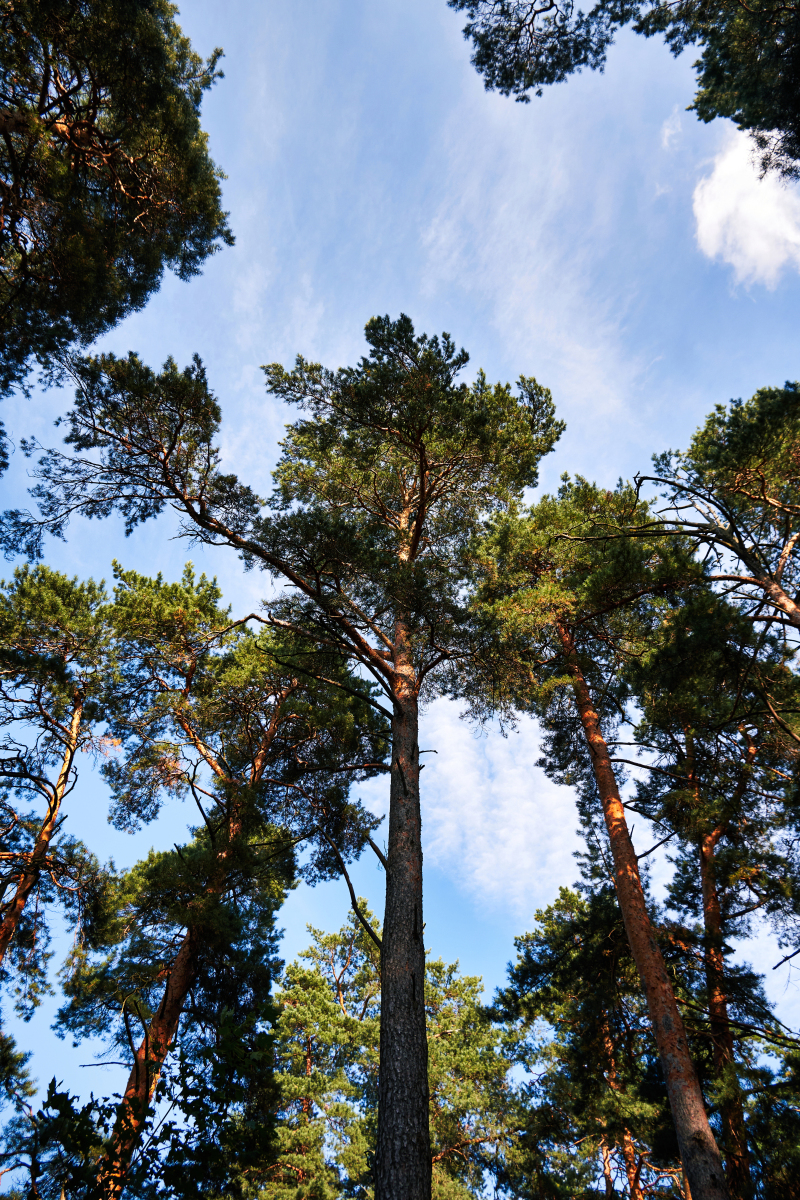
(106,176)
(747,69)
(664,681)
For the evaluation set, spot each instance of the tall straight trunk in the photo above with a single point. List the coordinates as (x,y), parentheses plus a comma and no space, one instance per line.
(145,1073)
(699,1152)
(734,1135)
(403,1153)
(30,876)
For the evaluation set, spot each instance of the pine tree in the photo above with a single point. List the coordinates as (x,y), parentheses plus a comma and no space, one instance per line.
(208,711)
(56,662)
(328,1052)
(105,170)
(594,1106)
(379,492)
(747,70)
(719,766)
(736,493)
(569,604)
(327,1059)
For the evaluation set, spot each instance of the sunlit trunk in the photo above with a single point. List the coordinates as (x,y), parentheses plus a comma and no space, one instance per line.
(152,1051)
(607,1172)
(633,1166)
(403,1155)
(699,1152)
(146,1071)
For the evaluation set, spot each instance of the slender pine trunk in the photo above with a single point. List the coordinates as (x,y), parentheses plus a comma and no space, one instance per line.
(147,1065)
(32,871)
(607,1172)
(633,1166)
(734,1135)
(403,1154)
(152,1051)
(699,1152)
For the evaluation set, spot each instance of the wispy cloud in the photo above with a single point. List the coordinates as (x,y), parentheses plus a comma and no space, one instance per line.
(508,229)
(750,223)
(491,820)
(671,130)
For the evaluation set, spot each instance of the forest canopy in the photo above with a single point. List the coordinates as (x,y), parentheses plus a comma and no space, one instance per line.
(642,634)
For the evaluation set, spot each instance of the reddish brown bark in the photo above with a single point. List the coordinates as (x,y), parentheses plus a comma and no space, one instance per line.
(147,1064)
(633,1166)
(699,1152)
(150,1056)
(38,856)
(607,1172)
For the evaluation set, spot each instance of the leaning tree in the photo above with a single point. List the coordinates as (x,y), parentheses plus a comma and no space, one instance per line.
(568,609)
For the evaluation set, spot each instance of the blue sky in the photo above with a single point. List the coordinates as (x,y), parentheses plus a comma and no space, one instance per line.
(599,238)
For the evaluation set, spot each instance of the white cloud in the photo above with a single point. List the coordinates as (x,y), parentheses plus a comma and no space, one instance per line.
(753,224)
(492,820)
(671,129)
(509,229)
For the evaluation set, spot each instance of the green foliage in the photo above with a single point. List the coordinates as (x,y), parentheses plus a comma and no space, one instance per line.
(715,731)
(377,494)
(563,560)
(105,170)
(735,492)
(719,784)
(56,660)
(327,1053)
(719,763)
(211,1120)
(574,1017)
(57,1145)
(747,70)
(379,491)
(327,1063)
(198,706)
(236,722)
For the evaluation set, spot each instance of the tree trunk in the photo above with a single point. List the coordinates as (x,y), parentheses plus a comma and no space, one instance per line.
(403,1154)
(150,1056)
(30,876)
(607,1173)
(147,1063)
(737,1159)
(782,600)
(633,1166)
(699,1152)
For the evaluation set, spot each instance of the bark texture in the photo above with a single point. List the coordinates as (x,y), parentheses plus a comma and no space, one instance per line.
(38,856)
(633,1166)
(403,1156)
(699,1153)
